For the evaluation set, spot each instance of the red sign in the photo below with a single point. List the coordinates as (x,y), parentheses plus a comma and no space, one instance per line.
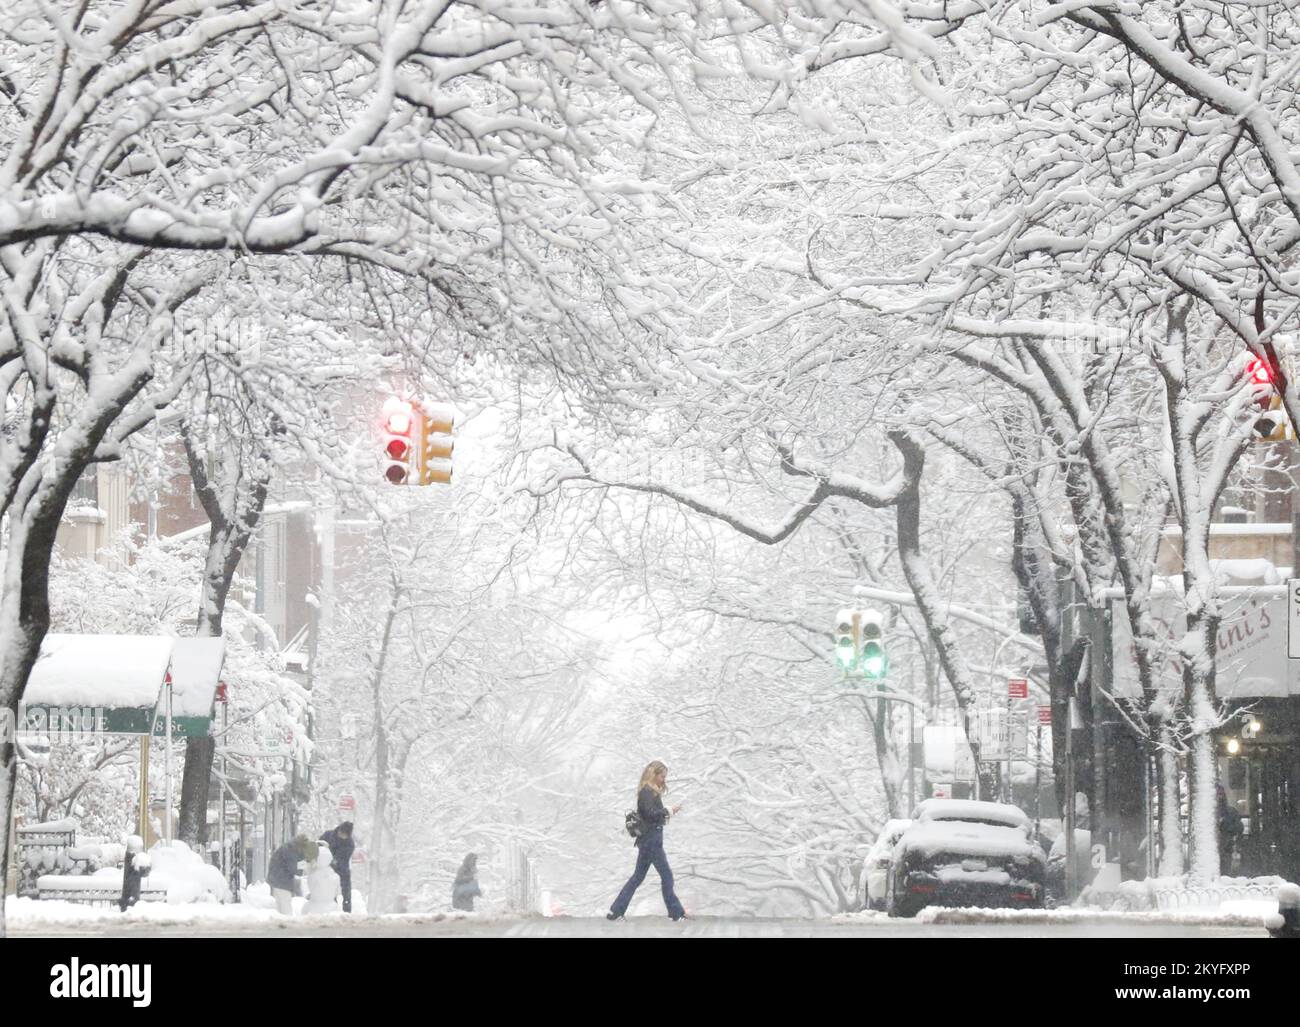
(347,804)
(223,695)
(1044,714)
(1017,688)
(359,856)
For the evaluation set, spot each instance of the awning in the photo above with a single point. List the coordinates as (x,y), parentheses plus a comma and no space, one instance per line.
(113,684)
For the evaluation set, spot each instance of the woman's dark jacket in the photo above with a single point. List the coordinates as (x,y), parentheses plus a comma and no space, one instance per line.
(650,807)
(464,892)
(341,849)
(284,866)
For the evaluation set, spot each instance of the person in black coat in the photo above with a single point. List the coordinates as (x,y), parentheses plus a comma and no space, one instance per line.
(466,889)
(282,873)
(342,845)
(650,843)
(135,865)
(1230,829)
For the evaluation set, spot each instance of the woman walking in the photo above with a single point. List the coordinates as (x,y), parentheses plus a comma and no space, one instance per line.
(465,889)
(650,843)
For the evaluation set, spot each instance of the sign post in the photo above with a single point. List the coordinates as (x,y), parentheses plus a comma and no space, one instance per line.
(1044,717)
(1017,743)
(1293,619)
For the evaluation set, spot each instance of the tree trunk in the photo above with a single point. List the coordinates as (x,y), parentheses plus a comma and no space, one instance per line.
(379,875)
(24,621)
(1202,819)
(1171,829)
(230,531)
(917,572)
(887,758)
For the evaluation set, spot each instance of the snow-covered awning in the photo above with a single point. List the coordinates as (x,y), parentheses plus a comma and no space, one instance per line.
(196,672)
(99,670)
(84,684)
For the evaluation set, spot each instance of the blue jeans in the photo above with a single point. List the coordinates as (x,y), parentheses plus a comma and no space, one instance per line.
(650,849)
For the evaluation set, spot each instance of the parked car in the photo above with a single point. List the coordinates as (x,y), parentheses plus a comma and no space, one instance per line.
(959,852)
(875,867)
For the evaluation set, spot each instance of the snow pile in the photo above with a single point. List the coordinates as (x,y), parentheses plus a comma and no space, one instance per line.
(185,875)
(257,896)
(1067,914)
(97,855)
(50,916)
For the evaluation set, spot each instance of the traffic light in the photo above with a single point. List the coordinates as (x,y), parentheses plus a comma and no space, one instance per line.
(1258,372)
(1273,426)
(873,661)
(846,640)
(860,643)
(398,439)
(436,444)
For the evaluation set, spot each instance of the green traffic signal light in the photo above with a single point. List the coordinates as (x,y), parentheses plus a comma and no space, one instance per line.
(874,662)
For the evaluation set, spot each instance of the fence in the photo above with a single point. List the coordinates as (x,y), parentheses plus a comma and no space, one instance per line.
(524,892)
(42,849)
(1174,893)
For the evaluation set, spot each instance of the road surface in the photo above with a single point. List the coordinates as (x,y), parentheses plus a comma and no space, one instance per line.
(417,926)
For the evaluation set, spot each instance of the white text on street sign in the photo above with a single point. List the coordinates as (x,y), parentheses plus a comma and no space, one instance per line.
(1293,619)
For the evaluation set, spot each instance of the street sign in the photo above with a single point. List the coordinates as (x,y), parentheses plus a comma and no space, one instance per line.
(1293,619)
(941,789)
(1017,688)
(993,735)
(963,763)
(1044,715)
(1018,742)
(347,804)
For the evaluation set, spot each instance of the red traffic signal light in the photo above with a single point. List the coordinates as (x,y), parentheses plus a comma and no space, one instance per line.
(1259,372)
(399,424)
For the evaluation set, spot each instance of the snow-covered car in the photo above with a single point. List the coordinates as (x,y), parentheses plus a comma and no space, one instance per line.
(875,867)
(959,852)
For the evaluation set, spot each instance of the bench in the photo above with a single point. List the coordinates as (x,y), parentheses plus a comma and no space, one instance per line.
(91,890)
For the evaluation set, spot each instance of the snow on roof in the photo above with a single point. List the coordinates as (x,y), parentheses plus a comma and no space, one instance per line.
(962,837)
(117,671)
(971,809)
(1250,571)
(196,672)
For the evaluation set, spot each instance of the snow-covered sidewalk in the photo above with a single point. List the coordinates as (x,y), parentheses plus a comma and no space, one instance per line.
(1246,913)
(35,915)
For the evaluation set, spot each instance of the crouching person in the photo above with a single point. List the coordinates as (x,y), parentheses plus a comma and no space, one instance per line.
(282,874)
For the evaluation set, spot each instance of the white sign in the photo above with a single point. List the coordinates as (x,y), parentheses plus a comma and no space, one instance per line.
(941,790)
(1293,619)
(993,735)
(963,763)
(1019,740)
(1250,647)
